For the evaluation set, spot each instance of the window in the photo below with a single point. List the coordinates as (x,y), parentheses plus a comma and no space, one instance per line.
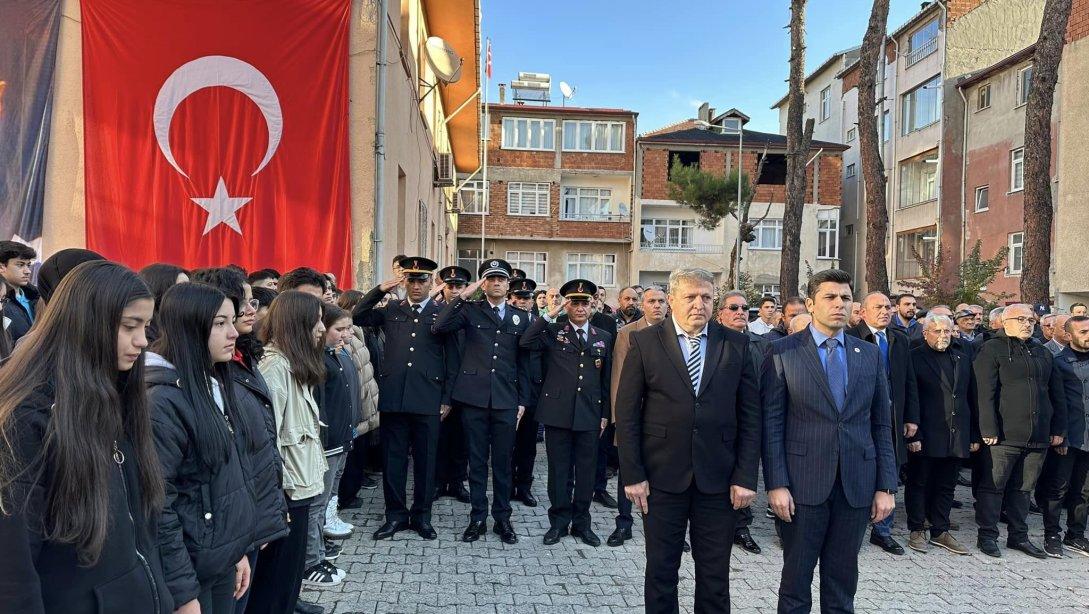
(469,259)
(921,106)
(983,97)
(828,234)
(685,158)
(768,289)
(983,198)
(1024,84)
(593,136)
(598,268)
(535,264)
(919,179)
(590,204)
(731,125)
(1017,169)
(471,198)
(526,133)
(769,235)
(666,234)
(851,172)
(775,170)
(923,42)
(910,248)
(527,198)
(1015,258)
(852,133)
(886,127)
(826,103)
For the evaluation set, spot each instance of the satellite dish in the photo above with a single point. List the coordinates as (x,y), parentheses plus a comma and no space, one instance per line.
(566,90)
(648,233)
(443,59)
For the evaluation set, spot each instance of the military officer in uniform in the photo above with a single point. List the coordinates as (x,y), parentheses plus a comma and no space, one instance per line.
(414,388)
(574,407)
(525,439)
(452,466)
(492,388)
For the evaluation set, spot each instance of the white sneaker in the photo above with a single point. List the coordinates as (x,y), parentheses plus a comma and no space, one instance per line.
(333,520)
(335,530)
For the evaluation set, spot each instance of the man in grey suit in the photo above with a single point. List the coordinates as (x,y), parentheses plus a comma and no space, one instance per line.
(829,464)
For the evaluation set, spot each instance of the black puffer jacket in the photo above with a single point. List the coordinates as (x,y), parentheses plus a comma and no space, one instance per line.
(21,321)
(38,575)
(263,467)
(208,516)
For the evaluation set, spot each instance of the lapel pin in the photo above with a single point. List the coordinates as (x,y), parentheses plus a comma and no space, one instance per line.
(516,319)
(857,350)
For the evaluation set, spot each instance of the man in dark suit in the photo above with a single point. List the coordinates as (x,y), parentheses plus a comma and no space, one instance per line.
(452,467)
(574,407)
(948,432)
(413,393)
(894,347)
(829,464)
(525,438)
(688,428)
(492,387)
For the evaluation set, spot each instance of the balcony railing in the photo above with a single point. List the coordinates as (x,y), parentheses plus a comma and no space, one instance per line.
(922,51)
(594,217)
(690,248)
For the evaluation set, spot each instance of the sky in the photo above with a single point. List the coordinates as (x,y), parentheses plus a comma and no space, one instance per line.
(662,58)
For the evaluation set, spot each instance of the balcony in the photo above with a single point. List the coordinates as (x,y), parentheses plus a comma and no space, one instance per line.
(566,216)
(688,248)
(915,55)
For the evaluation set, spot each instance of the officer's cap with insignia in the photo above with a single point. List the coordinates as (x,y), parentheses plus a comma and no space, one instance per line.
(455,275)
(417,267)
(578,290)
(522,288)
(495,267)
(518,274)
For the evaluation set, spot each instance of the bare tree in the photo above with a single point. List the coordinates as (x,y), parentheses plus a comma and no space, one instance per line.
(1035,274)
(798,141)
(873,169)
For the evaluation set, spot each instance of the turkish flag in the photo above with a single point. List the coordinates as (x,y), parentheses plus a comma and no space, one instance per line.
(216,132)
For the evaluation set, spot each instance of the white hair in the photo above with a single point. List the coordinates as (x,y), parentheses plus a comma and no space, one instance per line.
(689,275)
(936,318)
(995,314)
(1010,309)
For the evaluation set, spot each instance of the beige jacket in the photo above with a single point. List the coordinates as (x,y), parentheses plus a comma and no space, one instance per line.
(298,435)
(362,358)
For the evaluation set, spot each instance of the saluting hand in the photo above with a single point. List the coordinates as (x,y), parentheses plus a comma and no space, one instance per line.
(469,290)
(389,285)
(555,311)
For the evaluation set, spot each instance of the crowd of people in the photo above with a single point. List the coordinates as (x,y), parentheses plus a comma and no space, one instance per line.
(185,441)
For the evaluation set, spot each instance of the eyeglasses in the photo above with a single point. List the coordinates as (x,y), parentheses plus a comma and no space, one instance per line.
(1023,320)
(737,307)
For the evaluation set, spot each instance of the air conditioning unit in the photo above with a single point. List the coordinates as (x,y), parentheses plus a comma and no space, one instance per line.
(444,170)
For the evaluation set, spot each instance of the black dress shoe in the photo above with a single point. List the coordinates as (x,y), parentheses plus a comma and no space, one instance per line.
(304,607)
(989,547)
(525,497)
(587,536)
(743,538)
(1028,548)
(505,531)
(423,529)
(618,537)
(390,529)
(554,535)
(459,492)
(474,531)
(605,499)
(887,544)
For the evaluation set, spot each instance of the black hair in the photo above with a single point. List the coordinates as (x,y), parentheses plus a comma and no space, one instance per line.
(11,250)
(262,275)
(767,299)
(794,300)
(302,276)
(398,258)
(237,269)
(1074,320)
(835,276)
(233,284)
(1076,305)
(159,278)
(264,296)
(903,295)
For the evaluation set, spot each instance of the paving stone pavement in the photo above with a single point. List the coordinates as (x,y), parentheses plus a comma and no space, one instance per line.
(408,575)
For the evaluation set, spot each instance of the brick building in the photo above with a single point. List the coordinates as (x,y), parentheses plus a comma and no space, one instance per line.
(559,192)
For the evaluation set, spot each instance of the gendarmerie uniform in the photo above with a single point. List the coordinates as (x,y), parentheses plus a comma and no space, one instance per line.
(574,400)
(414,382)
(525,439)
(491,384)
(452,467)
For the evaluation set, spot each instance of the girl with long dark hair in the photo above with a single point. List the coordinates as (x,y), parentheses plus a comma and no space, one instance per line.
(208,518)
(159,278)
(293,367)
(80,485)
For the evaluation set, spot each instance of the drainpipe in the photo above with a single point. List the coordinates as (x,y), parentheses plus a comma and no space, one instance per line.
(964,176)
(382,23)
(894,185)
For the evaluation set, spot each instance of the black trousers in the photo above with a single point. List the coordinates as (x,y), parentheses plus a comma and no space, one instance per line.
(452,466)
(217,596)
(1077,502)
(665,524)
(400,433)
(570,452)
(1014,468)
(623,504)
(276,583)
(928,492)
(1055,490)
(525,449)
(354,470)
(605,450)
(830,533)
(489,432)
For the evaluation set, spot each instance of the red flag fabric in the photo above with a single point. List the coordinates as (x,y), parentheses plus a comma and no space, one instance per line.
(216,132)
(489,63)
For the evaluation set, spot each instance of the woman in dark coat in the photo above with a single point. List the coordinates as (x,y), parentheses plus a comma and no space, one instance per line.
(80,487)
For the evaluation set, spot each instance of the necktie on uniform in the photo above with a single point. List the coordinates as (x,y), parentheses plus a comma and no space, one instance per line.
(836,372)
(695,362)
(582,336)
(416,309)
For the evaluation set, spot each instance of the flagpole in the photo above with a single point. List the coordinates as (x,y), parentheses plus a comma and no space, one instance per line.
(485,139)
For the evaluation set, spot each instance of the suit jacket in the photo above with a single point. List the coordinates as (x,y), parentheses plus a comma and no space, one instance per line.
(672,436)
(418,371)
(620,352)
(902,389)
(493,372)
(808,441)
(575,394)
(948,414)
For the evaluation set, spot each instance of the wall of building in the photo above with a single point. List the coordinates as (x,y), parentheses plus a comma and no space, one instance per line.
(1070,281)
(557,251)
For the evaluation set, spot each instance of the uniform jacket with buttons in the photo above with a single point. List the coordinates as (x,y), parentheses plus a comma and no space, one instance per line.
(575,393)
(948,413)
(493,372)
(417,372)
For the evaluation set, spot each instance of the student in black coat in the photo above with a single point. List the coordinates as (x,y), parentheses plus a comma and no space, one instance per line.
(525,438)
(452,466)
(80,438)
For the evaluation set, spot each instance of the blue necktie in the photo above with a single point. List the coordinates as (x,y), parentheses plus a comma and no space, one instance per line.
(883,344)
(836,372)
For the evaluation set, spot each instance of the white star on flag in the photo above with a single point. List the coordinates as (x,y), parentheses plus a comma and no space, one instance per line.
(221,208)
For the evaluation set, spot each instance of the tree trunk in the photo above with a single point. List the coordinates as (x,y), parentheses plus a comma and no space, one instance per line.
(798,141)
(743,211)
(869,140)
(1036,269)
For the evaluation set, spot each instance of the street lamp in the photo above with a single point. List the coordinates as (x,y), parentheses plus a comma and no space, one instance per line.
(732,125)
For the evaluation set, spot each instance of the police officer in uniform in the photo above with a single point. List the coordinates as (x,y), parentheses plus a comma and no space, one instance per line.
(452,467)
(574,407)
(492,388)
(525,439)
(414,388)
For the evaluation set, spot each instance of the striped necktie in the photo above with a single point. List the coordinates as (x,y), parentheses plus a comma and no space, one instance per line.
(695,362)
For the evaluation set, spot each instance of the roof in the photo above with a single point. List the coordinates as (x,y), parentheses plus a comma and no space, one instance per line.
(1007,62)
(699,136)
(733,112)
(674,127)
(852,65)
(553,110)
(456,21)
(853,54)
(916,19)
